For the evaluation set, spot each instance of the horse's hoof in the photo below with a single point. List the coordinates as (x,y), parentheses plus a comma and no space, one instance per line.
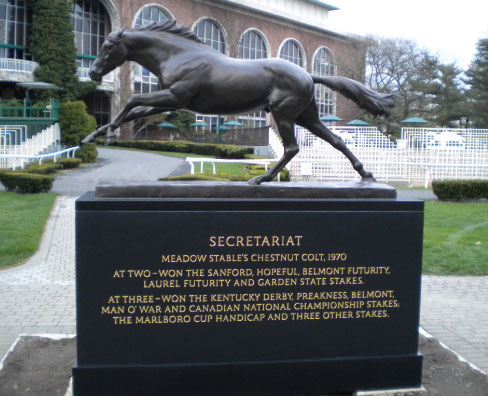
(255,181)
(368,177)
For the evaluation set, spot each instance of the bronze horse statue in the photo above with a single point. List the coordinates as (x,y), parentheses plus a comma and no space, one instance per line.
(195,77)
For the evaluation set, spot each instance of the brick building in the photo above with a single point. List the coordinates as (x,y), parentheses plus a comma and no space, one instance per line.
(292,29)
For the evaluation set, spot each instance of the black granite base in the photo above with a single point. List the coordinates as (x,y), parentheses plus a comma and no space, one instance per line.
(158,282)
(305,377)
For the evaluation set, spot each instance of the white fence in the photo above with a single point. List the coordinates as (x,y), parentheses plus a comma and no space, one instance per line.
(14,143)
(421,156)
(21,160)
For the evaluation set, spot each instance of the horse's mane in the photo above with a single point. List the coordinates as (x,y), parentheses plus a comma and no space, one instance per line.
(171,26)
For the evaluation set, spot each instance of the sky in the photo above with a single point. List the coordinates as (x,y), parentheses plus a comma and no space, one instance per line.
(447,28)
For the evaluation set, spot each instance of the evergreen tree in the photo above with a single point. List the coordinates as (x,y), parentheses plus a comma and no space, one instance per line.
(52,46)
(181,120)
(449,98)
(477,78)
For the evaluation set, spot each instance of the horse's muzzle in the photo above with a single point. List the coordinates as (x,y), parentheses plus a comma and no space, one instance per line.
(95,76)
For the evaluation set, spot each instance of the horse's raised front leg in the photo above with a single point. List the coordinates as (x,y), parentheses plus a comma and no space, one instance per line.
(138,106)
(286,131)
(106,130)
(164,99)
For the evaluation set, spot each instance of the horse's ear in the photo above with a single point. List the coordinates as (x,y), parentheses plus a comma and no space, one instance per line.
(120,34)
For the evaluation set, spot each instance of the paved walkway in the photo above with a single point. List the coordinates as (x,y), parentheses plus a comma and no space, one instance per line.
(116,165)
(39,296)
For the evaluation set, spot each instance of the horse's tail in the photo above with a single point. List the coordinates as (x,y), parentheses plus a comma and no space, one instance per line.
(374,102)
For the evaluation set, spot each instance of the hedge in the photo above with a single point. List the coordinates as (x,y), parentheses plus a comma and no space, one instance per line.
(26,182)
(46,168)
(87,153)
(218,150)
(69,163)
(457,190)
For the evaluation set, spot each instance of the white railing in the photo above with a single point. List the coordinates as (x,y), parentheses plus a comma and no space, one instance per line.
(437,138)
(11,137)
(28,158)
(319,161)
(275,143)
(15,144)
(19,65)
(213,161)
(84,74)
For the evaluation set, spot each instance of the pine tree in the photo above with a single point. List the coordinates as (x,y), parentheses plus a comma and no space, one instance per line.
(449,98)
(477,78)
(52,46)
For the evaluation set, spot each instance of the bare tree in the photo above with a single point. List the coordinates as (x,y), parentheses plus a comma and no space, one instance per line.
(399,66)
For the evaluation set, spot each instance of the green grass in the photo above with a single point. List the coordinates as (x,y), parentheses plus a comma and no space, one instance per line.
(228,168)
(22,219)
(456,238)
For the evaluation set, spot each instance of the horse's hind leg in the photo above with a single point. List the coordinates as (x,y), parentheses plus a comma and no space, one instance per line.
(309,119)
(286,131)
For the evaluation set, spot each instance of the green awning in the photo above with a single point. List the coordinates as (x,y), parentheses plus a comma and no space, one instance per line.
(330,118)
(39,85)
(357,123)
(414,120)
(199,124)
(232,123)
(165,124)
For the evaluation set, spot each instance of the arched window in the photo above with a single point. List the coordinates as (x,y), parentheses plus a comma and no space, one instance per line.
(291,51)
(90,25)
(15,21)
(144,80)
(323,66)
(252,45)
(211,34)
(150,14)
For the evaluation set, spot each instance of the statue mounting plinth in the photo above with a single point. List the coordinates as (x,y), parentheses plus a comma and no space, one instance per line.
(212,189)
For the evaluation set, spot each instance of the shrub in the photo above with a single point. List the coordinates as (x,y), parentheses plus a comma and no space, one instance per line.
(46,168)
(87,153)
(69,163)
(13,108)
(75,125)
(26,182)
(456,190)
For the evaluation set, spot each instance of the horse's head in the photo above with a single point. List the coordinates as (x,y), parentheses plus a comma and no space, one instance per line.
(112,53)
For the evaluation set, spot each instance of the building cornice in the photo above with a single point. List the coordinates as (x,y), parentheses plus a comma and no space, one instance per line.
(266,15)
